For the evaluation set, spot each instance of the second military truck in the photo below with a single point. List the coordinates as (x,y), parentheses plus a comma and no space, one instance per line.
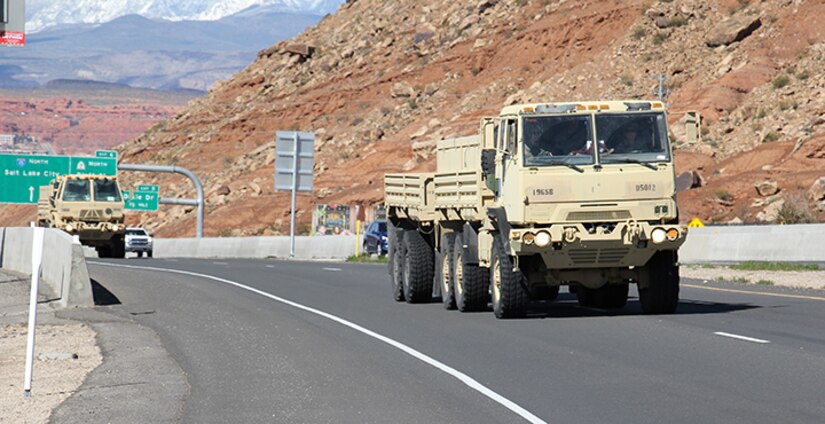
(88,206)
(579,194)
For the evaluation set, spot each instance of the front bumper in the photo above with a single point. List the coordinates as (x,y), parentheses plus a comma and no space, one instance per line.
(575,246)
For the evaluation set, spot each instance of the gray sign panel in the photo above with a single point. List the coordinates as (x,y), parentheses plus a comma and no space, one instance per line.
(285,160)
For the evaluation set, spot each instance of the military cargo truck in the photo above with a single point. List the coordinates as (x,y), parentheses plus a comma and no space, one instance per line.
(88,206)
(562,194)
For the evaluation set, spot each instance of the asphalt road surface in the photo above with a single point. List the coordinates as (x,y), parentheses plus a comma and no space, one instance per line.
(293,342)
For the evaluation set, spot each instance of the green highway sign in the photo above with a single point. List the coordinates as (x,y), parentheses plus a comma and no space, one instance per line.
(145,198)
(106,154)
(22,175)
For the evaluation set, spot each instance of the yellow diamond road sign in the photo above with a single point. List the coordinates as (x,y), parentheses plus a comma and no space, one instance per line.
(696,223)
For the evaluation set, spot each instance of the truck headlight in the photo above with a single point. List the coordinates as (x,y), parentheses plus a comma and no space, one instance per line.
(658,235)
(542,239)
(69,228)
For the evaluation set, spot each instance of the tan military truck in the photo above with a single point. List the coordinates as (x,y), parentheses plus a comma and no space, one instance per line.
(88,206)
(579,194)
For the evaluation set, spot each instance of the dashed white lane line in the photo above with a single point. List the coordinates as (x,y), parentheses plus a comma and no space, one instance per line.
(270,266)
(464,378)
(332,269)
(738,337)
(219,263)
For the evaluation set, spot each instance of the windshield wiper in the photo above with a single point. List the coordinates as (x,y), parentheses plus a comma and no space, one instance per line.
(637,161)
(563,163)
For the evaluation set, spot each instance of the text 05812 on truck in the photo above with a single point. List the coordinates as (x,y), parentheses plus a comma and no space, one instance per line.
(578,194)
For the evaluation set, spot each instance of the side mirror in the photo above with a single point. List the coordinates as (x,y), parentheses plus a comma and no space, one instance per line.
(488,161)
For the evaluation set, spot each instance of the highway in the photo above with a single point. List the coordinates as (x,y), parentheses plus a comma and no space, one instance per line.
(312,342)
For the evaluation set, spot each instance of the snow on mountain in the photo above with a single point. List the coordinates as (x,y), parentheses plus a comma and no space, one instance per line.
(43,14)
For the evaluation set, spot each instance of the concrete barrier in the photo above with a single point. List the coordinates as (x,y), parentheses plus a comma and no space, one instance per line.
(64,275)
(723,244)
(741,243)
(319,247)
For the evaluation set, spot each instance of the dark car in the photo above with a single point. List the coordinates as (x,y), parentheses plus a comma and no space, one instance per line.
(375,238)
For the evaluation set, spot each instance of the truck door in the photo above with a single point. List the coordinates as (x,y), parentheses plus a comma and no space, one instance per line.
(506,174)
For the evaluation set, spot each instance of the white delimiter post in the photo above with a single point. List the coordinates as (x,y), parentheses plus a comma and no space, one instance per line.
(294,191)
(37,260)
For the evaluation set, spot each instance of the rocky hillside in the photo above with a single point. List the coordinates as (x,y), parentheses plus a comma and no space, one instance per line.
(380,81)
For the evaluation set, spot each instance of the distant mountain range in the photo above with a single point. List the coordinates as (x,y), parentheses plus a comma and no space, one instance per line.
(154,53)
(44,14)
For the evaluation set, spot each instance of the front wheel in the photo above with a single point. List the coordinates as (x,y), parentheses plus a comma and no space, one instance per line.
(662,294)
(508,286)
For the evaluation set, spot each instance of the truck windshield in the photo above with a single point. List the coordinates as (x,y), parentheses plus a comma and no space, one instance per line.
(106,191)
(633,138)
(76,191)
(558,140)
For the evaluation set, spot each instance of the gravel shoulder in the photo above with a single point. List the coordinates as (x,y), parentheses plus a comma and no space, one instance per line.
(91,364)
(795,279)
(66,351)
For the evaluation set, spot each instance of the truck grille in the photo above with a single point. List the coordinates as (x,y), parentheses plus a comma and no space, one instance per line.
(91,215)
(599,216)
(598,256)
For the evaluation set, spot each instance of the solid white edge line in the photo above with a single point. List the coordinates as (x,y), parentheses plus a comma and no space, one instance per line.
(738,337)
(464,378)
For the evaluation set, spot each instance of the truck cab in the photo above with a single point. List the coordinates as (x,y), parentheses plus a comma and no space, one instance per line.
(88,206)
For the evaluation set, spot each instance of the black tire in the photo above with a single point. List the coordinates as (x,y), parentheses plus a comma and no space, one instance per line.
(471,282)
(509,288)
(118,248)
(397,266)
(586,297)
(393,237)
(366,249)
(444,270)
(104,251)
(139,254)
(548,293)
(662,295)
(611,296)
(418,268)
(149,254)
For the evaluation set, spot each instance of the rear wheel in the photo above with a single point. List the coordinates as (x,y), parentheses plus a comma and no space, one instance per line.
(104,251)
(662,294)
(444,270)
(546,293)
(418,268)
(509,287)
(470,281)
(609,296)
(396,263)
(118,248)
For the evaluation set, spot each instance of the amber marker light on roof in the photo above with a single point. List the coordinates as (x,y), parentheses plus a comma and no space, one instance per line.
(529,109)
(603,107)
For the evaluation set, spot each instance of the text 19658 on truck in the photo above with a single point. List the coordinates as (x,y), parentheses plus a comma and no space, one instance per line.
(578,194)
